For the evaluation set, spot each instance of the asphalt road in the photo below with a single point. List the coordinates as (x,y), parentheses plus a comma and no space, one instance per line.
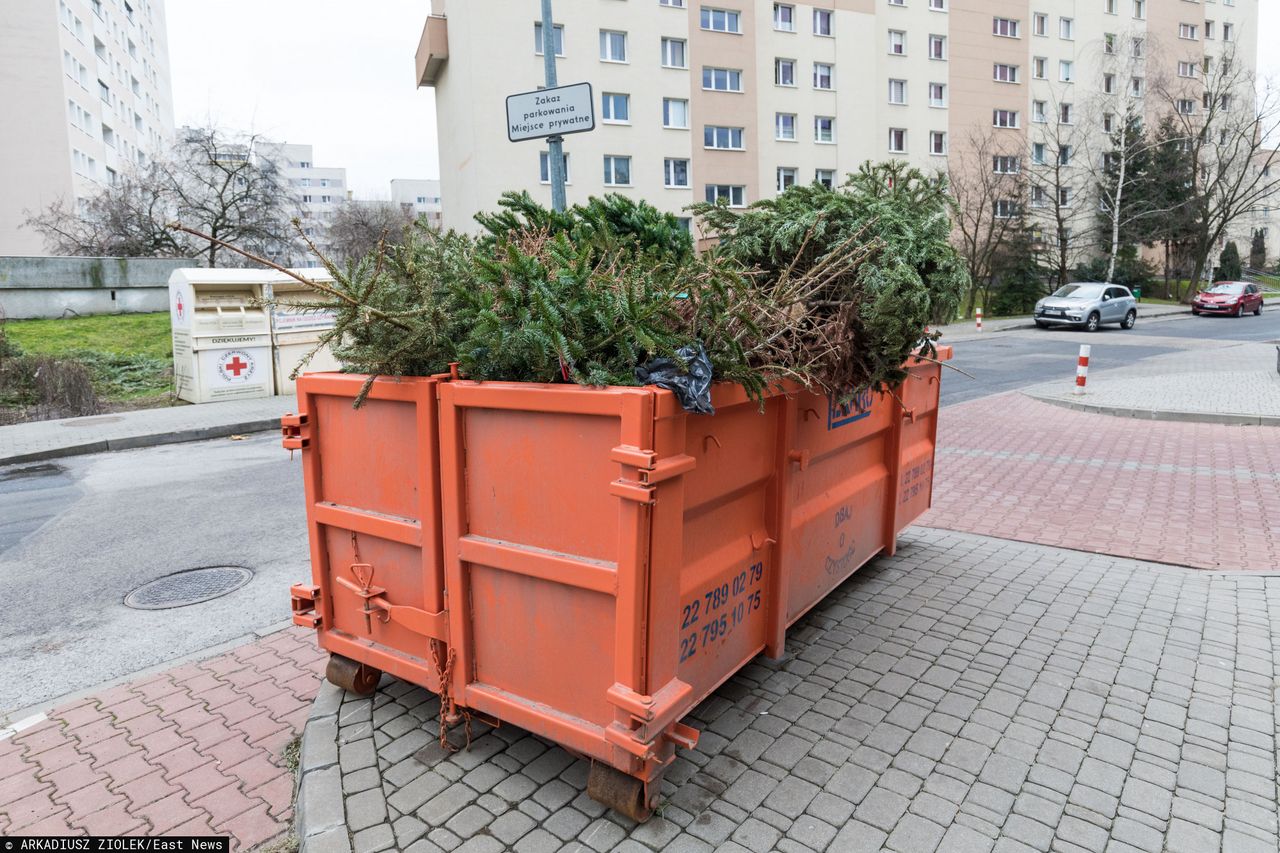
(76,536)
(1006,361)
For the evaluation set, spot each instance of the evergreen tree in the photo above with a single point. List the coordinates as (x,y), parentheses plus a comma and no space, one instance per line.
(1229,266)
(1258,250)
(1019,277)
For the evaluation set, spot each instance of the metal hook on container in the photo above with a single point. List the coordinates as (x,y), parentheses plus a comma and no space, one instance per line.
(706,439)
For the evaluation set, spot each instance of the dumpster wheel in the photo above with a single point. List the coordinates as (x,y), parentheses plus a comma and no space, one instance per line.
(621,792)
(352,676)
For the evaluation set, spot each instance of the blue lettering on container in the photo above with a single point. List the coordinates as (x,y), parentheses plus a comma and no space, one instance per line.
(841,414)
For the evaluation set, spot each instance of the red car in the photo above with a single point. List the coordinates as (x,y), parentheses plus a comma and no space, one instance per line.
(1228,297)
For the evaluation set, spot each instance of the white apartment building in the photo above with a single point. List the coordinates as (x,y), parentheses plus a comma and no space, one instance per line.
(419,196)
(736,99)
(319,189)
(84,94)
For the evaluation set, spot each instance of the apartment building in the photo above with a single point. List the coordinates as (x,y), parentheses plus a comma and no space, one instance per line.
(319,189)
(421,197)
(85,94)
(738,99)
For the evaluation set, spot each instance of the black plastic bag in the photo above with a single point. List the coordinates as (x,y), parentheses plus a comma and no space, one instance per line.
(692,386)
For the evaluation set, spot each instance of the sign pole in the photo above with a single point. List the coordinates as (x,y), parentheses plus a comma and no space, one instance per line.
(555,149)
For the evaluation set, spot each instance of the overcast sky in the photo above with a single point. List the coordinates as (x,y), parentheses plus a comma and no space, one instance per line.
(339,75)
(332,73)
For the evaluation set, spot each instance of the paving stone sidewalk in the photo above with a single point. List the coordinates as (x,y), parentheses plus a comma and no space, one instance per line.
(39,440)
(1234,384)
(969,694)
(194,750)
(1192,494)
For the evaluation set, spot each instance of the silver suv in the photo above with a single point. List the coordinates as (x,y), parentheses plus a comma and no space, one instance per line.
(1088,304)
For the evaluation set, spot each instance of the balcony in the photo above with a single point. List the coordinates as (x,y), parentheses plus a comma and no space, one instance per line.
(433,50)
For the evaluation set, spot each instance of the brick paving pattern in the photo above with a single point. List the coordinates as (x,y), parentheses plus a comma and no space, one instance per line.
(194,750)
(968,694)
(1193,494)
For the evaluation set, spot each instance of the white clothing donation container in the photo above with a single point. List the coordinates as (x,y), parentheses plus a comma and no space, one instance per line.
(221,334)
(296,328)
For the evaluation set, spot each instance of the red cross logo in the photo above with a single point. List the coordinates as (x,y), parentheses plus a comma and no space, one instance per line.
(179,306)
(236,365)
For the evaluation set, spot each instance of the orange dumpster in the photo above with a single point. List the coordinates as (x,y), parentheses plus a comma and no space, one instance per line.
(591,563)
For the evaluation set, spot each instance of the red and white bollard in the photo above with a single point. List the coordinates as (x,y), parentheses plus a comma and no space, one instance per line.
(1082,368)
(979,315)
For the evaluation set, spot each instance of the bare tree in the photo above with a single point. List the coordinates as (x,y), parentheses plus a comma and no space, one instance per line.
(1059,206)
(1225,121)
(358,226)
(216,182)
(987,183)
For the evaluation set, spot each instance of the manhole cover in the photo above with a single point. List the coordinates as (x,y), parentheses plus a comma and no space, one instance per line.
(82,422)
(189,587)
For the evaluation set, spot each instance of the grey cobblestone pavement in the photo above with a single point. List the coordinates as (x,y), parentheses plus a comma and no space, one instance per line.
(969,694)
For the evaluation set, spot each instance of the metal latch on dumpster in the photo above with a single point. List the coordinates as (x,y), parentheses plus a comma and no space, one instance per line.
(291,428)
(302,598)
(375,604)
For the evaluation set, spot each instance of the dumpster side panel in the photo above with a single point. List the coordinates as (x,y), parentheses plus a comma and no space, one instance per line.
(837,490)
(918,441)
(373,507)
(728,559)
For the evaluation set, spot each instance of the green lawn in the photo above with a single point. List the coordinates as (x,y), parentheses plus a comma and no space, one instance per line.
(129,355)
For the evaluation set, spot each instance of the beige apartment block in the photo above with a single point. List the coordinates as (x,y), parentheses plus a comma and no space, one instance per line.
(84,95)
(419,196)
(318,189)
(738,99)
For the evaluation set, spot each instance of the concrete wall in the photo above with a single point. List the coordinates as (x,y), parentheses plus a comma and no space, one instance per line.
(52,287)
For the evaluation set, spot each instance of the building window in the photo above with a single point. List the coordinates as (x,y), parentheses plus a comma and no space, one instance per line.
(824,129)
(1040,24)
(422,199)
(674,54)
(784,17)
(675,113)
(1065,114)
(1037,153)
(1037,195)
(615,107)
(937,47)
(937,142)
(1186,69)
(1064,155)
(1108,122)
(1006,208)
(1066,28)
(1004,27)
(897,140)
(1187,31)
(784,72)
(1003,73)
(544,167)
(938,5)
(1109,43)
(1109,83)
(1038,67)
(734,195)
(557,32)
(721,20)
(674,4)
(617,171)
(1135,87)
(897,42)
(822,22)
(1111,7)
(784,127)
(1228,32)
(1005,165)
(823,75)
(1004,118)
(1066,70)
(326,199)
(1186,106)
(897,91)
(1140,9)
(721,79)
(1064,196)
(613,46)
(728,138)
(1138,48)
(937,94)
(305,182)
(675,173)
(786,178)
(826,177)
(1038,111)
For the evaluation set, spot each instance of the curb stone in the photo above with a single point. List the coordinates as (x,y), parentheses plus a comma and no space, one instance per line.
(133,442)
(320,817)
(1228,418)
